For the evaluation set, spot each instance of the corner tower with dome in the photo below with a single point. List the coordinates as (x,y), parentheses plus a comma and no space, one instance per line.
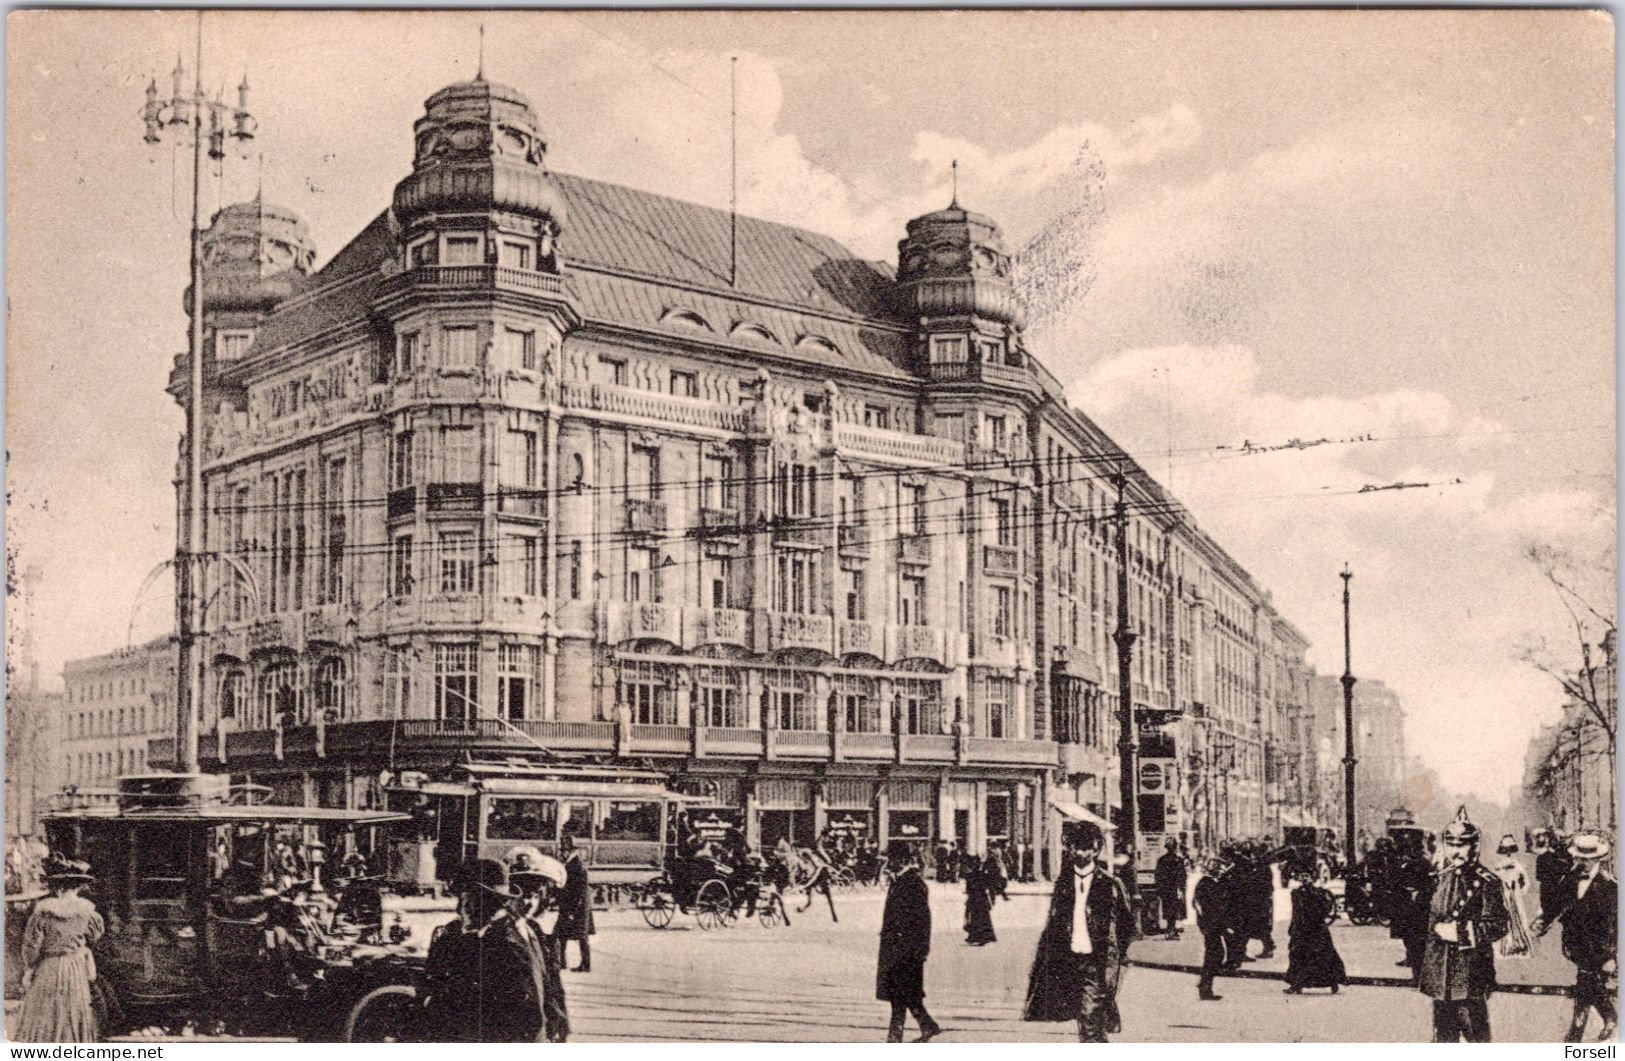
(527,469)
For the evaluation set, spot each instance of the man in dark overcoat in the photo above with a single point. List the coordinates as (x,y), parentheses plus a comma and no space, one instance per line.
(1170,881)
(1084,945)
(1465,916)
(484,981)
(905,943)
(1590,937)
(575,907)
(1553,868)
(1212,917)
(1410,890)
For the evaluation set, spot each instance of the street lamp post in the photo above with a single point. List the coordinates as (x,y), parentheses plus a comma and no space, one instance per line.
(1348,727)
(183,115)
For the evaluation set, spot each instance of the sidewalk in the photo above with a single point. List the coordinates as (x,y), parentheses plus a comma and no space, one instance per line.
(1368,955)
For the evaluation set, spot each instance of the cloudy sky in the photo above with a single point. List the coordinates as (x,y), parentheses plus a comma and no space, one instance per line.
(1238,226)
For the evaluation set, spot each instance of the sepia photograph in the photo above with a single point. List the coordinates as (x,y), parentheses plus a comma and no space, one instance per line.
(835,526)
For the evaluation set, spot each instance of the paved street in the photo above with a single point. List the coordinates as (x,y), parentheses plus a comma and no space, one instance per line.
(814,982)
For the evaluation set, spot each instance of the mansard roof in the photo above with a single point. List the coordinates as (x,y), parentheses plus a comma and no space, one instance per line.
(635,253)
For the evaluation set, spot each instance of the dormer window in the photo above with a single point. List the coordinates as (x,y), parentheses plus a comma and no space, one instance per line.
(232,345)
(513,254)
(424,252)
(947,349)
(992,351)
(462,250)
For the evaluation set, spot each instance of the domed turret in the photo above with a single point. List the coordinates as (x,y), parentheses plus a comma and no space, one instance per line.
(254,256)
(953,264)
(479,148)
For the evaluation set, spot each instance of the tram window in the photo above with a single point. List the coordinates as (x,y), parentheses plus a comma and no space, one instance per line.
(578,821)
(160,864)
(521,819)
(631,821)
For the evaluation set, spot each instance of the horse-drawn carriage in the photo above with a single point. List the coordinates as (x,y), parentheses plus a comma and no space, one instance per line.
(716,893)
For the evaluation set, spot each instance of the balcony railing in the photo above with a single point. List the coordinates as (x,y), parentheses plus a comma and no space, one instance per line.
(805,531)
(717,741)
(719,523)
(858,636)
(1018,752)
(520,502)
(914,549)
(794,630)
(801,743)
(899,445)
(650,405)
(1001,559)
(661,738)
(645,516)
(927,748)
(718,626)
(873,746)
(854,538)
(484,277)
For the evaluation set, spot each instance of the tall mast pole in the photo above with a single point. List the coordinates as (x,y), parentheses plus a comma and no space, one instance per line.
(188,681)
(1348,727)
(1127,837)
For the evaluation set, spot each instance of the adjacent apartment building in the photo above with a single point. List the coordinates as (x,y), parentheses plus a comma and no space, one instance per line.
(541,465)
(112,706)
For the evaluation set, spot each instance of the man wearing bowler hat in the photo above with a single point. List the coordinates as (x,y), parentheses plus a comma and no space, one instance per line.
(1465,917)
(484,981)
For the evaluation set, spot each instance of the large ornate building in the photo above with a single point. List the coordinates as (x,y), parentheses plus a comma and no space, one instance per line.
(542,464)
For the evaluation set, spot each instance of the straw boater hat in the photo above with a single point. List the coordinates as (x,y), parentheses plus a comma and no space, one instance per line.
(1588,846)
(1509,845)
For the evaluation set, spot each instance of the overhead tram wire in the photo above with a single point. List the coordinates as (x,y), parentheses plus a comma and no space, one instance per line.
(1212,454)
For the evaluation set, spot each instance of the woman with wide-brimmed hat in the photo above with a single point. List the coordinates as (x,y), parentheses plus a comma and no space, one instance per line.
(58,968)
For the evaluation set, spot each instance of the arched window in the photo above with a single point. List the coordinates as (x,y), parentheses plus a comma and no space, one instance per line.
(233,695)
(281,702)
(332,689)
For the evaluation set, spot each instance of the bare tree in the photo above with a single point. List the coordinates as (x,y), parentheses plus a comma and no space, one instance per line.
(1591,689)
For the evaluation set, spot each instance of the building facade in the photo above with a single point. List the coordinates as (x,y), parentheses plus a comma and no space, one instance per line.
(542,465)
(1570,769)
(112,706)
(1382,770)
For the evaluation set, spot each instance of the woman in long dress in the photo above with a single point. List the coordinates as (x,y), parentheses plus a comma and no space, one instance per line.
(1514,886)
(1312,958)
(58,968)
(978,906)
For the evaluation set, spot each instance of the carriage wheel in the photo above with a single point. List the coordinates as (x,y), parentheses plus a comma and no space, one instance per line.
(771,912)
(381,1016)
(656,909)
(845,879)
(712,904)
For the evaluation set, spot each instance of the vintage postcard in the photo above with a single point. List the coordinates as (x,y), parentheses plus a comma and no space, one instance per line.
(838,526)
